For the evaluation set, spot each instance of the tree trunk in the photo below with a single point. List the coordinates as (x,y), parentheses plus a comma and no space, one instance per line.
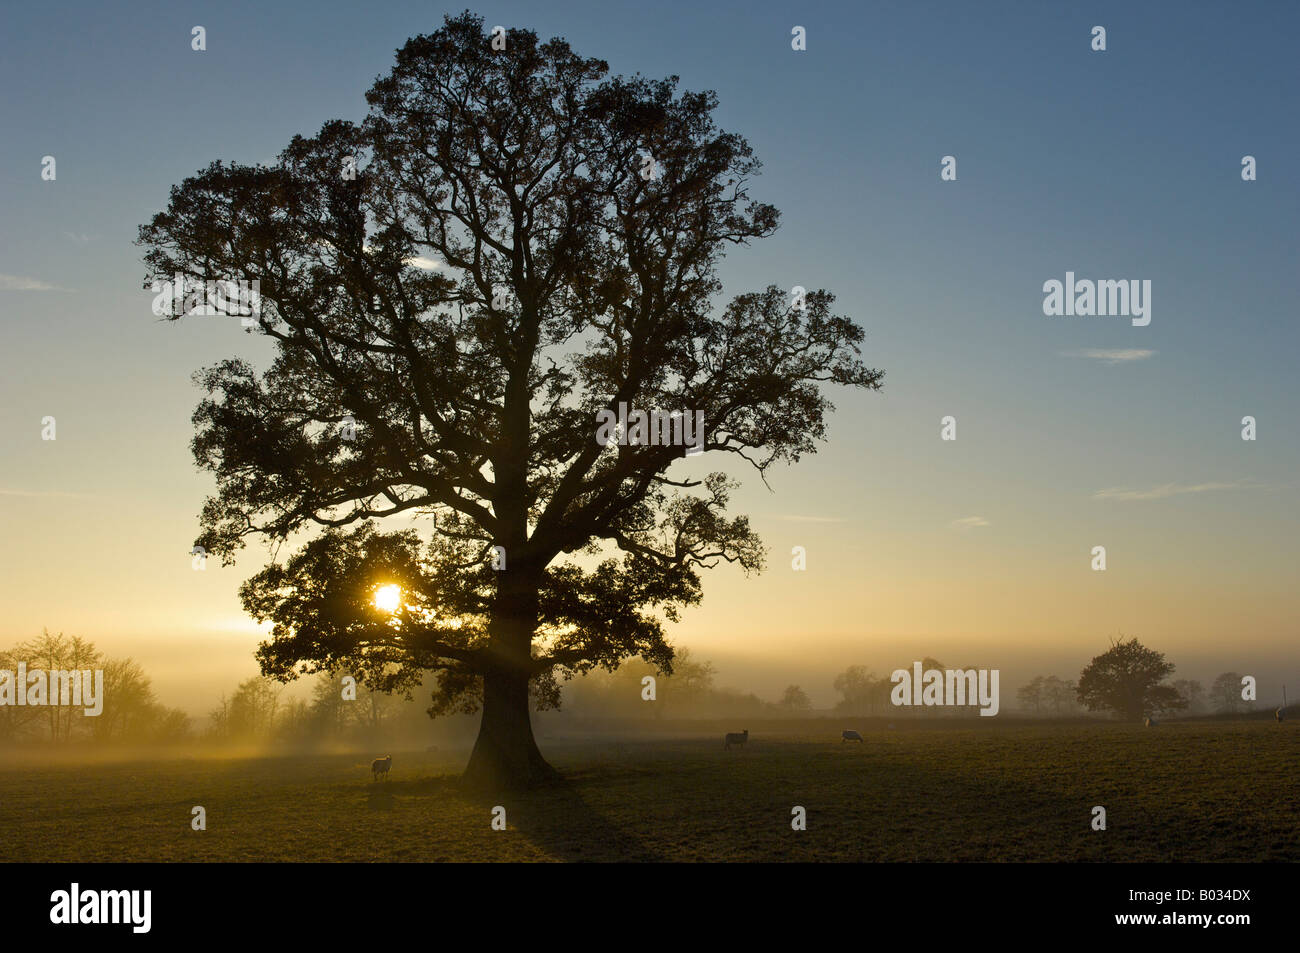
(505,755)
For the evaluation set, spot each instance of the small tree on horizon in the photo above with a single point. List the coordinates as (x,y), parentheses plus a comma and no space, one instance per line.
(795,699)
(1126,679)
(1030,694)
(1225,693)
(1194,692)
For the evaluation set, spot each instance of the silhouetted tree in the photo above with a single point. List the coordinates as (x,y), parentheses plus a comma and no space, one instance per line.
(1194,692)
(1030,695)
(685,692)
(250,713)
(795,699)
(575,222)
(327,704)
(130,708)
(58,652)
(854,684)
(1225,694)
(1126,680)
(1059,695)
(16,720)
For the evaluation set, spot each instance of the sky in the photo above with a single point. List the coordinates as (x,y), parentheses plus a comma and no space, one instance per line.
(1072,431)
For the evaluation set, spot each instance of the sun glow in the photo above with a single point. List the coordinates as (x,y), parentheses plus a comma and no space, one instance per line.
(388,598)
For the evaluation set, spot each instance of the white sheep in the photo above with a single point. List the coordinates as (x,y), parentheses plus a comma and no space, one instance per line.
(848,734)
(732,738)
(380,766)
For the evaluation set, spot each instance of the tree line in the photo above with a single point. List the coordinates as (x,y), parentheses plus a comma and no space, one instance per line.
(1128,680)
(131,712)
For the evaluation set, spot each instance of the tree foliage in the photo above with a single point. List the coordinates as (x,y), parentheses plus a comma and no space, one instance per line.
(1127,680)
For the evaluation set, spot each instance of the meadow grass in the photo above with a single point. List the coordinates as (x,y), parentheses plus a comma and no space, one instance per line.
(1193,791)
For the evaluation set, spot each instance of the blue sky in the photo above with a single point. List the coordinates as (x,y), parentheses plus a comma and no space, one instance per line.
(1115,164)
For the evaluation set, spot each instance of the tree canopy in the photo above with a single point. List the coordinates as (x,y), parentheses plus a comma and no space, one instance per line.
(1126,679)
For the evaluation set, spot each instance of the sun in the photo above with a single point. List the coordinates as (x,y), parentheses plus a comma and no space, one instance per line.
(388,598)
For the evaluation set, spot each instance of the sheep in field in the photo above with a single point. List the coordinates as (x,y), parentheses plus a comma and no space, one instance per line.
(380,766)
(848,734)
(732,738)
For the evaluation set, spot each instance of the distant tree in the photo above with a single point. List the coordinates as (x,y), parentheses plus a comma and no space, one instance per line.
(250,713)
(1225,694)
(219,719)
(795,699)
(684,691)
(129,710)
(1059,695)
(16,721)
(170,724)
(296,720)
(1194,692)
(60,652)
(129,704)
(864,692)
(374,708)
(328,706)
(855,685)
(1126,679)
(691,680)
(1030,695)
(731,702)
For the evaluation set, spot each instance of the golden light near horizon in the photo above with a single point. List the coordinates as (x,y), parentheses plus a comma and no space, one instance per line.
(388,598)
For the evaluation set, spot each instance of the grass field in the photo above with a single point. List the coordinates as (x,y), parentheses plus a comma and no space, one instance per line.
(1195,791)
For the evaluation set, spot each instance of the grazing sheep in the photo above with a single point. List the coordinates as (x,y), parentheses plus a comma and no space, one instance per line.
(848,734)
(1150,722)
(380,766)
(732,738)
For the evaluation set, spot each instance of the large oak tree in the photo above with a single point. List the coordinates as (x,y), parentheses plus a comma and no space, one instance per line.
(510,242)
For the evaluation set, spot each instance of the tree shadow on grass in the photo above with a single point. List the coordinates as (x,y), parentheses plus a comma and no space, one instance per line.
(557,820)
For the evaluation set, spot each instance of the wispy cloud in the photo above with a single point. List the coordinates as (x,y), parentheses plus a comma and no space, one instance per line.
(18,283)
(1116,355)
(428,264)
(1166,490)
(49,493)
(792,518)
(970,522)
(79,237)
